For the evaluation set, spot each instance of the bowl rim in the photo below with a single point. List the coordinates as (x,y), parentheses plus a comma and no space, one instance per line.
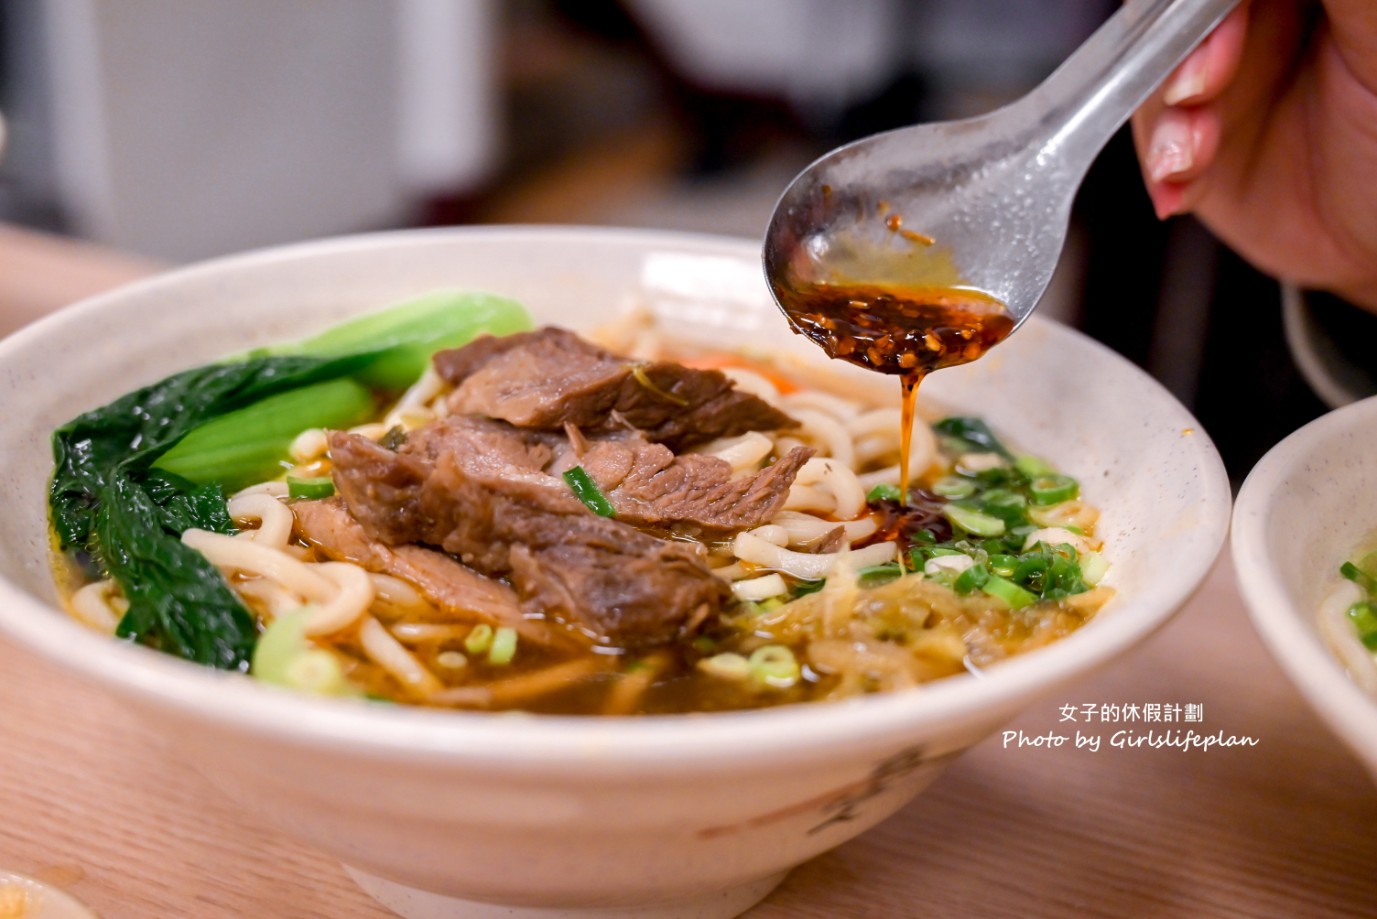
(1288,634)
(586,744)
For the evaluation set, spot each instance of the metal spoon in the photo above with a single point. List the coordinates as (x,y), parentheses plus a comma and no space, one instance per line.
(981,203)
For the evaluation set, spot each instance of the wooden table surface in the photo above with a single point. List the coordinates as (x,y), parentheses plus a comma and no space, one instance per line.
(90,800)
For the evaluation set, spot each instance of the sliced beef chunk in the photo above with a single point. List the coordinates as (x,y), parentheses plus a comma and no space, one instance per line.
(551,377)
(649,486)
(612,581)
(450,586)
(646,484)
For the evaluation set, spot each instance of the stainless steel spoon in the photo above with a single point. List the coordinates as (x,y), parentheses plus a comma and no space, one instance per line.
(981,203)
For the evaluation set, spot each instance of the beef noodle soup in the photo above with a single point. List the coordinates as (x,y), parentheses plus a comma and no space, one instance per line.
(542,522)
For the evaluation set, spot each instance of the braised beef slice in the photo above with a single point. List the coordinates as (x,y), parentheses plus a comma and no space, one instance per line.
(649,486)
(550,377)
(451,587)
(614,582)
(646,484)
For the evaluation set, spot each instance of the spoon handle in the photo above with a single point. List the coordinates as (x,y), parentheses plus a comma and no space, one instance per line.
(1079,107)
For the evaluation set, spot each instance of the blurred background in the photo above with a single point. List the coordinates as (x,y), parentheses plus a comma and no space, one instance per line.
(174,130)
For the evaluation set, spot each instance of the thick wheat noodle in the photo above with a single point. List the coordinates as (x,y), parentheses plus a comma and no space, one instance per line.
(742,453)
(418,398)
(754,383)
(425,632)
(246,556)
(878,422)
(837,478)
(806,528)
(390,655)
(373,430)
(772,533)
(809,566)
(827,432)
(396,592)
(760,588)
(310,444)
(94,605)
(350,602)
(807,498)
(836,406)
(341,591)
(271,596)
(274,518)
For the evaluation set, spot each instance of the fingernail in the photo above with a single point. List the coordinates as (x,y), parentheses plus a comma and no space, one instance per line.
(1188,82)
(1169,153)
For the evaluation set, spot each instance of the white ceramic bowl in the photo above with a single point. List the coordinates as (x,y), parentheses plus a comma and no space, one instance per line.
(697,815)
(1307,507)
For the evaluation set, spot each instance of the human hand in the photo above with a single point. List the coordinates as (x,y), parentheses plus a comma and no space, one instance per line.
(1268,133)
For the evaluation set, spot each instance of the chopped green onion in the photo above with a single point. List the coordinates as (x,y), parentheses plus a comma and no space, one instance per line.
(953,486)
(883,492)
(1053,489)
(1008,591)
(1032,467)
(310,487)
(973,521)
(1002,564)
(809,587)
(1358,576)
(972,579)
(587,491)
(479,639)
(1093,568)
(775,666)
(727,666)
(920,554)
(875,575)
(284,656)
(503,647)
(1364,616)
(452,660)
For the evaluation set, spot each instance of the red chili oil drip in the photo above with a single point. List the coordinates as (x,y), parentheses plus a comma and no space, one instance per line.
(908,331)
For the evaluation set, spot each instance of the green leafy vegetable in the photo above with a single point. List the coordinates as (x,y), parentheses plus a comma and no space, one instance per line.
(249,445)
(402,338)
(129,433)
(178,602)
